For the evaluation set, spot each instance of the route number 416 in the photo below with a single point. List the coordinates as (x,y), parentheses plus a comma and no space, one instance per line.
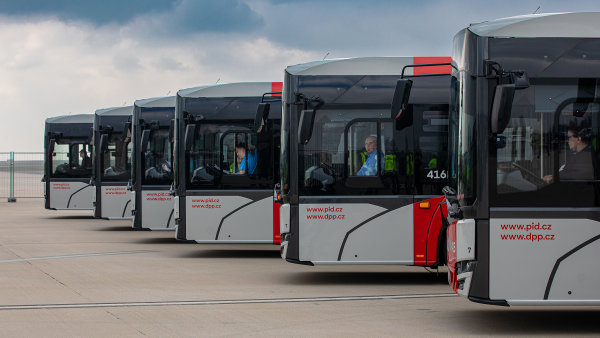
(437,174)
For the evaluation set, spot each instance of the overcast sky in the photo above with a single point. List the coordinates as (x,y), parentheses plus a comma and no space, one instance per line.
(71,56)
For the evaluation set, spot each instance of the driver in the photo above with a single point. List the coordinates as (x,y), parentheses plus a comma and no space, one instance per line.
(240,150)
(369,168)
(578,164)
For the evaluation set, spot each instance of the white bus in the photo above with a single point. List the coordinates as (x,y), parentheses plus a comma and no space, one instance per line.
(68,162)
(357,186)
(525,127)
(152,163)
(112,162)
(225,170)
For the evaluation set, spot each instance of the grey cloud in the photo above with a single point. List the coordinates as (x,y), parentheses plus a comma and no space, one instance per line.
(169,16)
(97,12)
(385,27)
(215,16)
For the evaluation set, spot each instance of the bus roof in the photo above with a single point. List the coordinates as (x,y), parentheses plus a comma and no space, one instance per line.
(560,25)
(115,111)
(237,89)
(156,102)
(365,66)
(76,118)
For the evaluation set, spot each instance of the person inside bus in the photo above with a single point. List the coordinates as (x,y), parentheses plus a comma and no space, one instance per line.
(578,164)
(369,167)
(240,150)
(86,161)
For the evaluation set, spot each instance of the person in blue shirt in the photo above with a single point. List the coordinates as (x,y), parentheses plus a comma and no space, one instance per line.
(369,168)
(240,150)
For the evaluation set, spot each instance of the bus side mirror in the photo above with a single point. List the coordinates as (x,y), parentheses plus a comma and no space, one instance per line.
(103,142)
(190,130)
(51,146)
(307,118)
(401,96)
(262,114)
(144,140)
(501,107)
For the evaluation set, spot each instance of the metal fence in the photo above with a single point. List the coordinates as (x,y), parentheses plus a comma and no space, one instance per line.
(21,174)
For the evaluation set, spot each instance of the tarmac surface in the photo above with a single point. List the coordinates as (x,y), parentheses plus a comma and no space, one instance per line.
(65,274)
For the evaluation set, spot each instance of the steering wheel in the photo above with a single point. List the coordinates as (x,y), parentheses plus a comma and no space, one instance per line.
(535,179)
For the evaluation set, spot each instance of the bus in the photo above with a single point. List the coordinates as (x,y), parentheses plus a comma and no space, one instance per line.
(67,162)
(112,162)
(357,186)
(224,169)
(152,163)
(524,127)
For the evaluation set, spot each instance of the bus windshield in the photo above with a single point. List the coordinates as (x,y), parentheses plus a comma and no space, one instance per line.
(156,163)
(547,155)
(116,159)
(220,150)
(361,151)
(71,160)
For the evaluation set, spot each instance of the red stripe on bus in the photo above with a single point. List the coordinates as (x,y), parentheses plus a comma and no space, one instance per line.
(421,60)
(276,87)
(276,225)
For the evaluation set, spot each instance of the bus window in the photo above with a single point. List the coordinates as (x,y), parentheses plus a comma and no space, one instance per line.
(157,166)
(71,160)
(239,153)
(364,150)
(549,145)
(431,169)
(116,159)
(203,158)
(579,142)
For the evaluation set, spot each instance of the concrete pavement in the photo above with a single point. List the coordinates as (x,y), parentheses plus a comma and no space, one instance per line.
(63,273)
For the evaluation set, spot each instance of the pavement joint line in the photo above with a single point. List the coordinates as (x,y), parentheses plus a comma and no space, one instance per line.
(219,302)
(75,256)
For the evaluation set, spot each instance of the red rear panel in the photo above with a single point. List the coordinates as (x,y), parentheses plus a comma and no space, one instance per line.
(434,231)
(426,230)
(276,230)
(421,60)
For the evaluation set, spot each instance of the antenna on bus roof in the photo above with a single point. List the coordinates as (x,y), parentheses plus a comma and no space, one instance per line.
(537,9)
(325,55)
(219,79)
(168,93)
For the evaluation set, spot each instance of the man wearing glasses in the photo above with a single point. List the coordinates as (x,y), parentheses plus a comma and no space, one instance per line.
(369,168)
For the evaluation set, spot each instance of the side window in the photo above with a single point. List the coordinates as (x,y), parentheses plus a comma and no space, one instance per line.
(371,149)
(365,156)
(430,157)
(579,143)
(239,152)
